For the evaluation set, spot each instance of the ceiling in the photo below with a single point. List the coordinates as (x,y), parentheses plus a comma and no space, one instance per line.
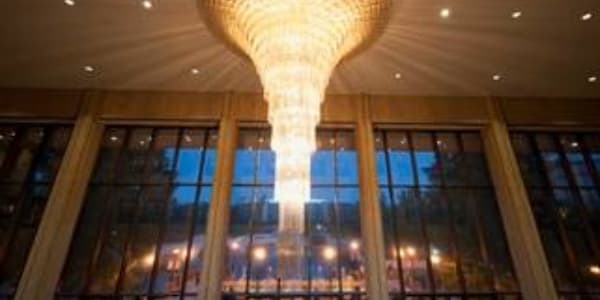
(549,51)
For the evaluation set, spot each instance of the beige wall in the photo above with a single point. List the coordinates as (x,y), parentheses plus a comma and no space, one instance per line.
(182,107)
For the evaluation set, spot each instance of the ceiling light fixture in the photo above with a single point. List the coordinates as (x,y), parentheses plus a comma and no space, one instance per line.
(295,46)
(70,2)
(89,69)
(195,71)
(445,13)
(398,76)
(592,79)
(147,4)
(586,16)
(517,14)
(497,77)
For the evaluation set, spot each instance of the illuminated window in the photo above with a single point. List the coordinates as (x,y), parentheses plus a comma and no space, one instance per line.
(30,156)
(561,172)
(443,233)
(333,261)
(141,229)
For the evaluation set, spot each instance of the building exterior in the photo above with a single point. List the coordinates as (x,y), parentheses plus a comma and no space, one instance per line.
(168,195)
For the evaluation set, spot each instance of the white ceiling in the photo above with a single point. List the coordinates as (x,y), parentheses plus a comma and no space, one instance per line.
(547,52)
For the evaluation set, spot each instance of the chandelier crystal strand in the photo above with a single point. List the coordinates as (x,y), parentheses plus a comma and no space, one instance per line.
(295,46)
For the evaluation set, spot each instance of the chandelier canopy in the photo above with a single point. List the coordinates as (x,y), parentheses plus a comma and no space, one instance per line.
(295,46)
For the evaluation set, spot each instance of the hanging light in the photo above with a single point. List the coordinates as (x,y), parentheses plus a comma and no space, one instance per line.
(295,45)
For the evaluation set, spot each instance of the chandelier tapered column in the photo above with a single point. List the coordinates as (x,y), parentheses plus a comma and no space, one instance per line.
(295,46)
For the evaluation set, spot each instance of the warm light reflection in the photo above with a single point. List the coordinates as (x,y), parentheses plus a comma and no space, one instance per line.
(259,254)
(354,245)
(595,269)
(329,253)
(148,260)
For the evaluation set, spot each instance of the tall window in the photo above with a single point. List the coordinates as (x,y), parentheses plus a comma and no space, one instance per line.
(30,156)
(141,230)
(334,261)
(561,172)
(442,229)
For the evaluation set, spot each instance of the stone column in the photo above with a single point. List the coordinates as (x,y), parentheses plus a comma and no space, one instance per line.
(218,219)
(370,209)
(519,223)
(51,244)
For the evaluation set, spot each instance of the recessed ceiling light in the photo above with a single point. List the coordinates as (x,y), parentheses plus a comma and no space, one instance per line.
(195,71)
(89,69)
(497,77)
(147,4)
(70,2)
(398,76)
(445,13)
(592,79)
(586,16)
(516,14)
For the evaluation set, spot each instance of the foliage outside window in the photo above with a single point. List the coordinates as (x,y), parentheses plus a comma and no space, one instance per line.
(443,232)
(141,230)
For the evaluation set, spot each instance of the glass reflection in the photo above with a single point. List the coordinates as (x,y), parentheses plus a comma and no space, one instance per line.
(30,156)
(141,230)
(564,199)
(333,259)
(441,223)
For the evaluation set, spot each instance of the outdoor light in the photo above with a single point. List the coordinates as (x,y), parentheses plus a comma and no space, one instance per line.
(295,45)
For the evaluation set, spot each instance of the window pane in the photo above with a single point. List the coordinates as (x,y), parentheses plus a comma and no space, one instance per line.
(30,156)
(429,170)
(442,231)
(189,156)
(566,207)
(330,255)
(141,231)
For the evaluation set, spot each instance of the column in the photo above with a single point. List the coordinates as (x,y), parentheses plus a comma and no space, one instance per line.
(370,209)
(51,244)
(519,223)
(218,219)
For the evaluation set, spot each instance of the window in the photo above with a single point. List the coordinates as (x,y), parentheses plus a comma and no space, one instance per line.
(333,260)
(442,229)
(560,171)
(141,229)
(30,156)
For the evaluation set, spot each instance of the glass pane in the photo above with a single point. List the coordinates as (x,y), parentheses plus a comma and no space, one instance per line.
(109,153)
(189,157)
(161,156)
(245,157)
(142,237)
(346,158)
(411,249)
(577,164)
(134,157)
(399,158)
(85,240)
(211,157)
(442,254)
(29,144)
(51,156)
(429,170)
(197,248)
(473,168)
(322,166)
(173,252)
(108,264)
(552,160)
(451,162)
(7,137)
(531,170)
(380,156)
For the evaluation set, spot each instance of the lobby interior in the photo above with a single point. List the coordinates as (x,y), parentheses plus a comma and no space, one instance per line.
(456,153)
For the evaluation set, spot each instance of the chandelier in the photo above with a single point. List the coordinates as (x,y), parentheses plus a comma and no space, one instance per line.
(295,46)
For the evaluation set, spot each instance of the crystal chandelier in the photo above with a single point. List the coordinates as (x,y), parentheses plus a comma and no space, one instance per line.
(295,46)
